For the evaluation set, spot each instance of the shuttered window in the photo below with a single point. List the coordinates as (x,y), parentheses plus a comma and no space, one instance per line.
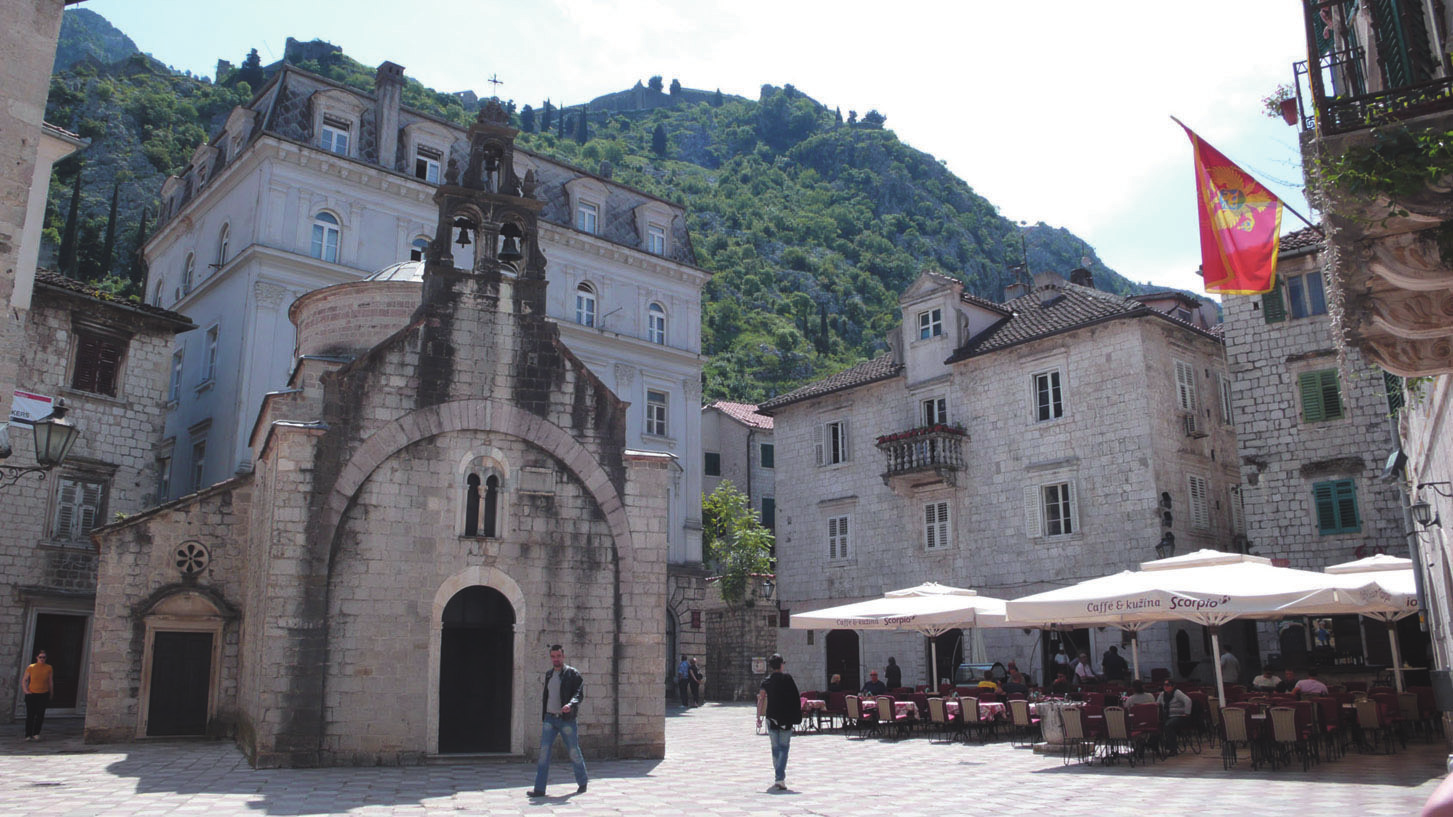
(1199,502)
(98,362)
(1051,510)
(1321,397)
(1273,307)
(1393,385)
(78,508)
(935,525)
(837,537)
(1238,511)
(1185,387)
(831,442)
(1336,505)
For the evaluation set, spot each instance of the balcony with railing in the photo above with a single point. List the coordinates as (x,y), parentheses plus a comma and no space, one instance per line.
(923,455)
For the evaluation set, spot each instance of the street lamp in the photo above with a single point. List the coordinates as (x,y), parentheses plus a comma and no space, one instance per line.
(767,588)
(54,436)
(1422,513)
(1166,547)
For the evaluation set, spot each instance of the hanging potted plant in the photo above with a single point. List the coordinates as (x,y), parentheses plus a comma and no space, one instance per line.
(1281,102)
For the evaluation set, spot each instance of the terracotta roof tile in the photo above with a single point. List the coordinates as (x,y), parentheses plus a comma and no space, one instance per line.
(57,281)
(1301,239)
(745,413)
(871,371)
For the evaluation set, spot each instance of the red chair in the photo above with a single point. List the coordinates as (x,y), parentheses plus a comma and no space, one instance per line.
(837,708)
(1355,686)
(1329,725)
(1145,723)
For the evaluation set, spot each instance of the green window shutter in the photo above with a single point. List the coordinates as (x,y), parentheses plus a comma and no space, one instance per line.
(1331,395)
(1309,384)
(1347,519)
(1324,497)
(1273,307)
(1393,385)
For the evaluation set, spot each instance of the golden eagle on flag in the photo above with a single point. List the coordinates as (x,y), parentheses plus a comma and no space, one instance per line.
(1240,224)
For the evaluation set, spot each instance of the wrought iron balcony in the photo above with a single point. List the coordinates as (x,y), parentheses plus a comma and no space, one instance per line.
(934,452)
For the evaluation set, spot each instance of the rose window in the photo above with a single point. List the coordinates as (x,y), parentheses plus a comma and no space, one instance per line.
(192,558)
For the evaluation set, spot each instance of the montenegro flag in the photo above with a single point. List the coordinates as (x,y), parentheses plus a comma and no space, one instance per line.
(1240,225)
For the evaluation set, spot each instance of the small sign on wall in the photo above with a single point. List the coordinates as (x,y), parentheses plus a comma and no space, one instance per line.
(759,666)
(27,408)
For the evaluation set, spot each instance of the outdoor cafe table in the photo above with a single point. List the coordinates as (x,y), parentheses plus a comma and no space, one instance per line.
(988,710)
(900,708)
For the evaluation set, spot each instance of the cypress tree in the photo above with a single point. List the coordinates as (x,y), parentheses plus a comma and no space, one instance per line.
(716,99)
(658,140)
(67,259)
(136,271)
(560,126)
(527,119)
(108,250)
(545,117)
(250,72)
(582,126)
(675,87)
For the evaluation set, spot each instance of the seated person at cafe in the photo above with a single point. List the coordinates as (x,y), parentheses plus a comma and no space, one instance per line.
(1310,685)
(989,684)
(1288,680)
(1015,683)
(835,683)
(1138,695)
(874,686)
(1084,672)
(1175,714)
(1113,667)
(1266,681)
(1061,684)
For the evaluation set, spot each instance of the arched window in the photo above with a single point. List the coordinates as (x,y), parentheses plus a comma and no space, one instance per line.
(160,288)
(491,506)
(471,505)
(189,271)
(585,305)
(656,324)
(223,239)
(418,249)
(325,237)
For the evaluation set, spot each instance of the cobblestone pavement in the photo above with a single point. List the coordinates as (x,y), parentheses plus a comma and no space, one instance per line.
(714,765)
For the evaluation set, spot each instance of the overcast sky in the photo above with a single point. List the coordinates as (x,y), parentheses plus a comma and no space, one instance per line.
(1054,111)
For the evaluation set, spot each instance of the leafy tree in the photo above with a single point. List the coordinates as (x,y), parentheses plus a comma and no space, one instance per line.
(734,542)
(852,117)
(675,87)
(527,119)
(250,72)
(655,83)
(67,259)
(873,119)
(658,140)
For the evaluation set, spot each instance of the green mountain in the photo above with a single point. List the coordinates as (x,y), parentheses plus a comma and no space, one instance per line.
(812,225)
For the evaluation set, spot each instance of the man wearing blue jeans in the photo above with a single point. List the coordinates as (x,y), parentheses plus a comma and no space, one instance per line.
(560,703)
(784,711)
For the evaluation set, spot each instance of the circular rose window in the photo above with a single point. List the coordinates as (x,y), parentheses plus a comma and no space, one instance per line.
(192,558)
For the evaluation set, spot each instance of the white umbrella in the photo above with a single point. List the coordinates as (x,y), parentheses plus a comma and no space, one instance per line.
(1387,592)
(931,609)
(1207,587)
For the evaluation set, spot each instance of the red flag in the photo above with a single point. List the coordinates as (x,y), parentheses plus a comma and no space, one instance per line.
(1240,225)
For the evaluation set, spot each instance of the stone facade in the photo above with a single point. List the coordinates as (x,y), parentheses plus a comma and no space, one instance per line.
(954,422)
(423,517)
(740,440)
(48,580)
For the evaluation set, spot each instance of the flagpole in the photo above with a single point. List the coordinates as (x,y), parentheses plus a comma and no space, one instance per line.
(1284,205)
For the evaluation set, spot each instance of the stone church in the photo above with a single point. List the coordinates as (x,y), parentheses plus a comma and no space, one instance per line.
(442,490)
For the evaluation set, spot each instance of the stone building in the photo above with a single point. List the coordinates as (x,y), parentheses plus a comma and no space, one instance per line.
(737,447)
(438,493)
(314,184)
(107,359)
(1314,433)
(1006,447)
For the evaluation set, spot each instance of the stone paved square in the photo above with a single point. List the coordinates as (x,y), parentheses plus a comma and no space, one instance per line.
(715,765)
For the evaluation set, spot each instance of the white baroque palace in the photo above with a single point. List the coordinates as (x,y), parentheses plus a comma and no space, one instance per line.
(1010,448)
(313,184)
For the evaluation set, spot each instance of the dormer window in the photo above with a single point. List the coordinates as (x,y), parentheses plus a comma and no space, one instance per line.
(930,324)
(655,239)
(335,136)
(587,217)
(585,305)
(426,163)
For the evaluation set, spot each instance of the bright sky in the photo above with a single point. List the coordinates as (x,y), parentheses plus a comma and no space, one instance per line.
(1054,111)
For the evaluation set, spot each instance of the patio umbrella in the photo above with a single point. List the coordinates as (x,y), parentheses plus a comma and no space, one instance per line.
(1387,592)
(1207,587)
(931,609)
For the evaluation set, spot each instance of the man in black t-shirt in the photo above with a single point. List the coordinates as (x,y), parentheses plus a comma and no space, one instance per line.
(784,711)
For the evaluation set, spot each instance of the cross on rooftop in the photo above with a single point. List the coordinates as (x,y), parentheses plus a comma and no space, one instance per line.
(495,81)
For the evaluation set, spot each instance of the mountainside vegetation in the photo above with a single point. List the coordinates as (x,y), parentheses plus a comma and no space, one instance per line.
(811,223)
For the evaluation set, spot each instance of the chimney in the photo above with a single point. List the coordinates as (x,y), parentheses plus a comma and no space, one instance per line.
(1082,277)
(1017,289)
(388,89)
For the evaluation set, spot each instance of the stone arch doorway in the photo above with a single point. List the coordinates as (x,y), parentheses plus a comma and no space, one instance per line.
(476,671)
(842,658)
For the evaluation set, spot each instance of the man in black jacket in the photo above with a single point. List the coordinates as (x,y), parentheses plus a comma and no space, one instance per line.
(784,711)
(560,702)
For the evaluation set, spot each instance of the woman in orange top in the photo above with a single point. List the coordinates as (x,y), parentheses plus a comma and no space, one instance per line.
(37,685)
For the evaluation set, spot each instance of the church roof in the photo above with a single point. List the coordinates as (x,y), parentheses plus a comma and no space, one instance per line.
(406,271)
(744,413)
(881,367)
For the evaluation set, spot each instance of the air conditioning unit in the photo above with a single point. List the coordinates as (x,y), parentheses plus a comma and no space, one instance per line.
(1193,424)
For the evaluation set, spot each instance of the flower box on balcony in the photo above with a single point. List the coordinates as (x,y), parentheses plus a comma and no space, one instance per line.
(937,428)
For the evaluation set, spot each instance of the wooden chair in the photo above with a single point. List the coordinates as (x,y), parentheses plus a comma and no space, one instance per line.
(1235,732)
(973,720)
(1023,724)
(861,723)
(1411,715)
(940,720)
(1286,738)
(888,715)
(1118,740)
(1371,725)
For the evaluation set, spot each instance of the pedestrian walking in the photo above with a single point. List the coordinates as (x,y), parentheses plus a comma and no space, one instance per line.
(560,704)
(683,680)
(694,677)
(784,711)
(37,683)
